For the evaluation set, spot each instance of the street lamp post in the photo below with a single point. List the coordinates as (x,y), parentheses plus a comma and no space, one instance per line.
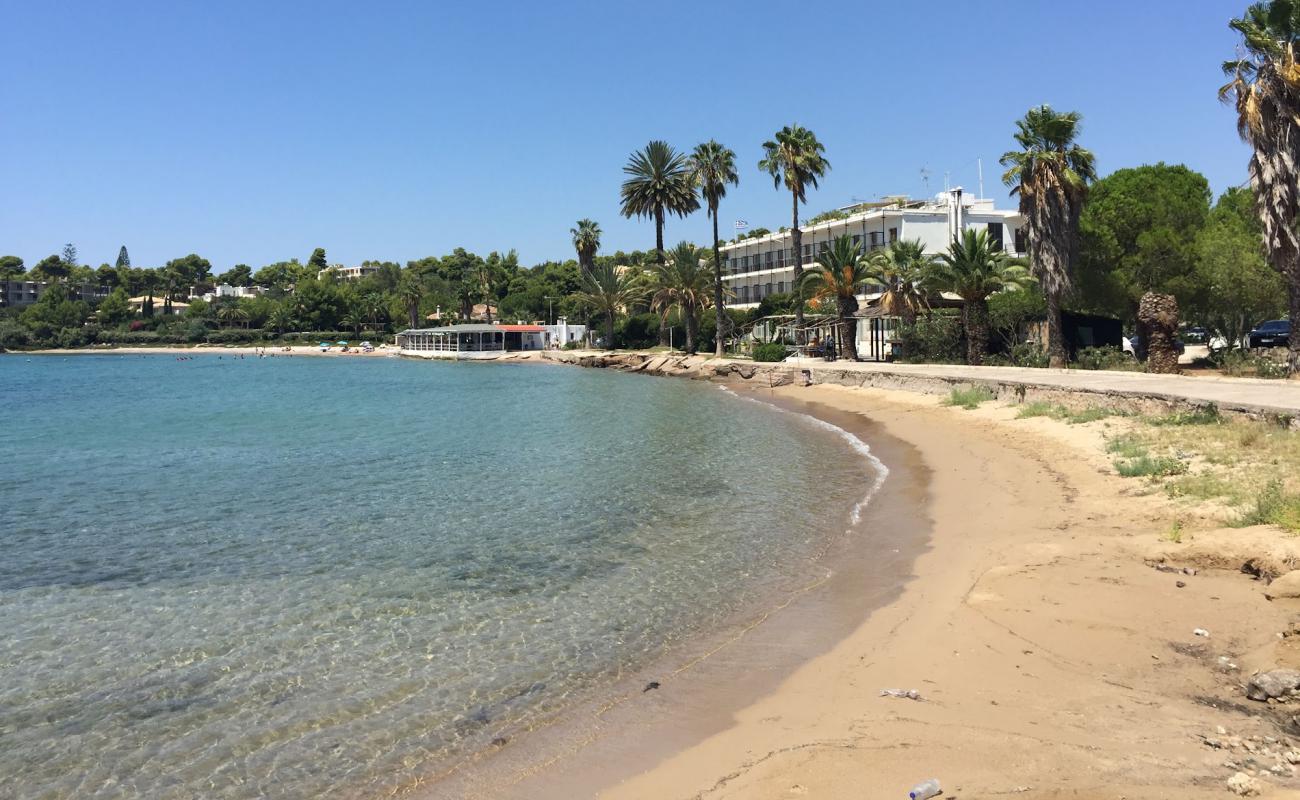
(550,311)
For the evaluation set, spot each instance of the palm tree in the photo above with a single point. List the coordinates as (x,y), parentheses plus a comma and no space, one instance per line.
(901,270)
(354,319)
(1051,174)
(372,303)
(411,291)
(586,240)
(714,167)
(280,318)
(1266,87)
(973,270)
(840,273)
(794,158)
(683,283)
(231,313)
(660,182)
(610,290)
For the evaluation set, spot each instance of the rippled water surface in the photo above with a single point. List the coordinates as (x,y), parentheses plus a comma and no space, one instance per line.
(300,577)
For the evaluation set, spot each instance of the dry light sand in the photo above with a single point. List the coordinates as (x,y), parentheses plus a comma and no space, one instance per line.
(1052,659)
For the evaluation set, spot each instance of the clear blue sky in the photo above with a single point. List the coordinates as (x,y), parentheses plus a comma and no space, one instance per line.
(254,132)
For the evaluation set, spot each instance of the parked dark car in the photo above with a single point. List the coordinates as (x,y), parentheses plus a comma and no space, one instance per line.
(1274,333)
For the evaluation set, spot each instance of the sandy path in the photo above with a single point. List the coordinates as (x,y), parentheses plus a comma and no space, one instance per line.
(1053,661)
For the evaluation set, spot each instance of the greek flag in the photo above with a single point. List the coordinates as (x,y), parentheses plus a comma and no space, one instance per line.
(741,224)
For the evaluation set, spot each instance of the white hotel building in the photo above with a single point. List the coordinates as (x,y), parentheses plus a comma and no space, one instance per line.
(757,267)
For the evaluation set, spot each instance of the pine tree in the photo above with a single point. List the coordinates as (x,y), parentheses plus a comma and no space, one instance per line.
(123,260)
(317,261)
(70,254)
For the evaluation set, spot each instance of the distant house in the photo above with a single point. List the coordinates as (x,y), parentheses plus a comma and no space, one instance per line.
(159,305)
(16,294)
(226,290)
(348,273)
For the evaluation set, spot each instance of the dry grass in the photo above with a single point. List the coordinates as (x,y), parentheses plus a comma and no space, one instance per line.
(1252,467)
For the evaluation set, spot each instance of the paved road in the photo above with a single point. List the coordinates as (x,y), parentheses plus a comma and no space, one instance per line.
(1247,394)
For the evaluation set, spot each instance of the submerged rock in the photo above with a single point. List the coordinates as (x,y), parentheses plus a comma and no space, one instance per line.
(1269,685)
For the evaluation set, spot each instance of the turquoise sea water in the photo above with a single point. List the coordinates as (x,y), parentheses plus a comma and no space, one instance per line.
(298,577)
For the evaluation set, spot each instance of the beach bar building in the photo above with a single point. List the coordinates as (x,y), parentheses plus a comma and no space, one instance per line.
(470,341)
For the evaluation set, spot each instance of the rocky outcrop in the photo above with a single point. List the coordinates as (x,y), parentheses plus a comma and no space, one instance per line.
(1274,684)
(1287,585)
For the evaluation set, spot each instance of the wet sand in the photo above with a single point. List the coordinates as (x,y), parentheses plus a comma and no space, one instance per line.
(1051,661)
(703,684)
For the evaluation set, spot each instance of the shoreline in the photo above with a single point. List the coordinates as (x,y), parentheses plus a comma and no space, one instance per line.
(1016,628)
(214,350)
(583,748)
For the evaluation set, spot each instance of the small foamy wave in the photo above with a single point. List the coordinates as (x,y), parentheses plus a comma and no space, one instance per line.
(878,467)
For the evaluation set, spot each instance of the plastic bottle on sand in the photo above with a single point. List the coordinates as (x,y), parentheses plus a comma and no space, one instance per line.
(925,790)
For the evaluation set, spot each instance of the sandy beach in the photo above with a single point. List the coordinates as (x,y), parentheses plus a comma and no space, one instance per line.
(1050,657)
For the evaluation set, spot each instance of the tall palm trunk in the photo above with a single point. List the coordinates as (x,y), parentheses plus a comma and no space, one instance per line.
(692,327)
(1292,276)
(1158,318)
(609,330)
(664,340)
(975,318)
(723,319)
(849,328)
(797,240)
(1056,356)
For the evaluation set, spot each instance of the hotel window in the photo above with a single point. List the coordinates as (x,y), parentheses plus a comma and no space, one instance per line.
(857,242)
(744,264)
(780,258)
(995,236)
(807,252)
(770,258)
(744,294)
(767,289)
(780,287)
(875,239)
(1022,241)
(893,235)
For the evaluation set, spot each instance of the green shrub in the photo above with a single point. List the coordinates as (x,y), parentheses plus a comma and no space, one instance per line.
(1201,415)
(968,398)
(1127,446)
(1268,368)
(772,351)
(1027,354)
(13,336)
(1274,506)
(1105,358)
(933,339)
(1151,467)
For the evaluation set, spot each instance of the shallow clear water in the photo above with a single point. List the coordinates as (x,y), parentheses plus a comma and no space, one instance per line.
(299,577)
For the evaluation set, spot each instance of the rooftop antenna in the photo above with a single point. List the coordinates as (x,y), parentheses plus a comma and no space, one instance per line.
(925,179)
(980,163)
(947,175)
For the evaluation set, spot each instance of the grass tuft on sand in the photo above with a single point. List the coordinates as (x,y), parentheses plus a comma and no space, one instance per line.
(968,398)
(1150,467)
(1072,416)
